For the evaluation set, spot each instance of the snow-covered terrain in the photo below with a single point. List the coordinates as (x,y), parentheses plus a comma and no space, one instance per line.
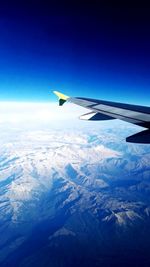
(68,184)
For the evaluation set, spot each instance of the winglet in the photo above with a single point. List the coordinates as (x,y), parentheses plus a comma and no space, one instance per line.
(62,98)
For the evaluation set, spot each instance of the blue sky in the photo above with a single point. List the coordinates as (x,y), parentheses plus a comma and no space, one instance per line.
(100,53)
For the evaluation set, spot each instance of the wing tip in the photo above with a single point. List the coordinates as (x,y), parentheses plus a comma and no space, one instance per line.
(61,97)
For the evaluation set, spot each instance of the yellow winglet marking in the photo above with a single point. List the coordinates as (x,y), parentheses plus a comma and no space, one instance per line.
(60,95)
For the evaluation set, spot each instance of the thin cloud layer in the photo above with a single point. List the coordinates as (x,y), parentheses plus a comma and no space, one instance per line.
(18,112)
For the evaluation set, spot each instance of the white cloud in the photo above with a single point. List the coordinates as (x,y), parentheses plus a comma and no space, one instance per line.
(18,112)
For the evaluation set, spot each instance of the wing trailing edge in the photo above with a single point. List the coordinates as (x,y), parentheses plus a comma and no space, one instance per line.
(141,137)
(93,116)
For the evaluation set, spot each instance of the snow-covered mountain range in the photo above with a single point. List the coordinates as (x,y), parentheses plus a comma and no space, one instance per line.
(78,192)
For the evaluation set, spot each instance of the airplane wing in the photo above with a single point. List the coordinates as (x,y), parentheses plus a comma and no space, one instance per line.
(107,110)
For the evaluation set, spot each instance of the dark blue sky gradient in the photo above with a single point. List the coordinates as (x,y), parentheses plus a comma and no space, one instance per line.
(81,51)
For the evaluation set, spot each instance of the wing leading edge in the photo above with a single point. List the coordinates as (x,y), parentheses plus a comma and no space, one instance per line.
(106,110)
